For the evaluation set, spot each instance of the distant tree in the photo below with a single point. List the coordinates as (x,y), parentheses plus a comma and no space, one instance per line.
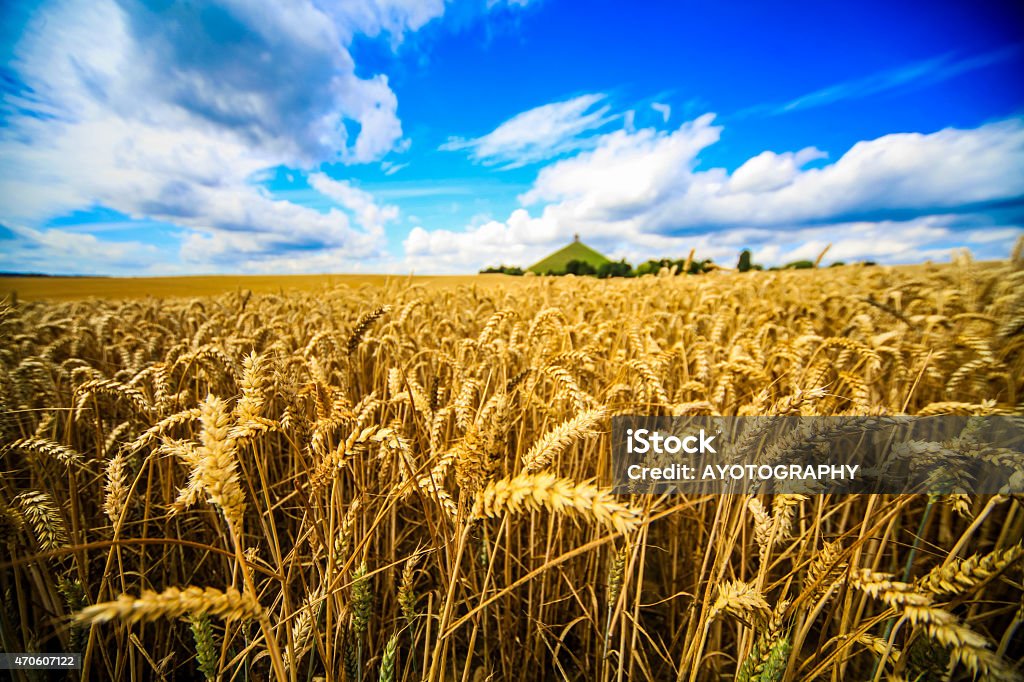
(579,267)
(503,269)
(650,267)
(743,265)
(615,269)
(799,265)
(837,264)
(699,267)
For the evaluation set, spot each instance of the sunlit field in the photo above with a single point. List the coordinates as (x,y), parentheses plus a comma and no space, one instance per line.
(69,288)
(401,479)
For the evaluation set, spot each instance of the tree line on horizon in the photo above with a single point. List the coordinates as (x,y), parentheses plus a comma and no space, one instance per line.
(689,266)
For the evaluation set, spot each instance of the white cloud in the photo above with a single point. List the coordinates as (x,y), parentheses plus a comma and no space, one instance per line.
(519,240)
(372,17)
(664,109)
(769,171)
(538,134)
(390,167)
(371,216)
(277,77)
(989,235)
(65,252)
(175,113)
(627,171)
(915,74)
(649,176)
(638,194)
(187,178)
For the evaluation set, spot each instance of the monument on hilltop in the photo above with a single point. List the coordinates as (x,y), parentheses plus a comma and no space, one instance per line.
(574,250)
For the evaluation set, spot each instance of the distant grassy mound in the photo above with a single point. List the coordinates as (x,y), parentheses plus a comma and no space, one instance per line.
(557,261)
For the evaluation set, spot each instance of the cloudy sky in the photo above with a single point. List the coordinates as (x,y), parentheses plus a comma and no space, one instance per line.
(167,137)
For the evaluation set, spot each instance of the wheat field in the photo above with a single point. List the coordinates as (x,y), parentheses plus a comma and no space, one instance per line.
(405,482)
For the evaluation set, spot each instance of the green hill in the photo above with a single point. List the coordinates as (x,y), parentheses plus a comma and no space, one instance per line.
(576,250)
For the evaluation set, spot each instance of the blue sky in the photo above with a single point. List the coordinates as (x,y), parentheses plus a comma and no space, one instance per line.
(430,136)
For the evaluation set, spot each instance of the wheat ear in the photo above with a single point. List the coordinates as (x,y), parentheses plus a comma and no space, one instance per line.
(172,603)
(528,492)
(561,437)
(217,466)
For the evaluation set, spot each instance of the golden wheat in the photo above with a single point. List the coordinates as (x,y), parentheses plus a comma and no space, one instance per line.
(172,603)
(415,480)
